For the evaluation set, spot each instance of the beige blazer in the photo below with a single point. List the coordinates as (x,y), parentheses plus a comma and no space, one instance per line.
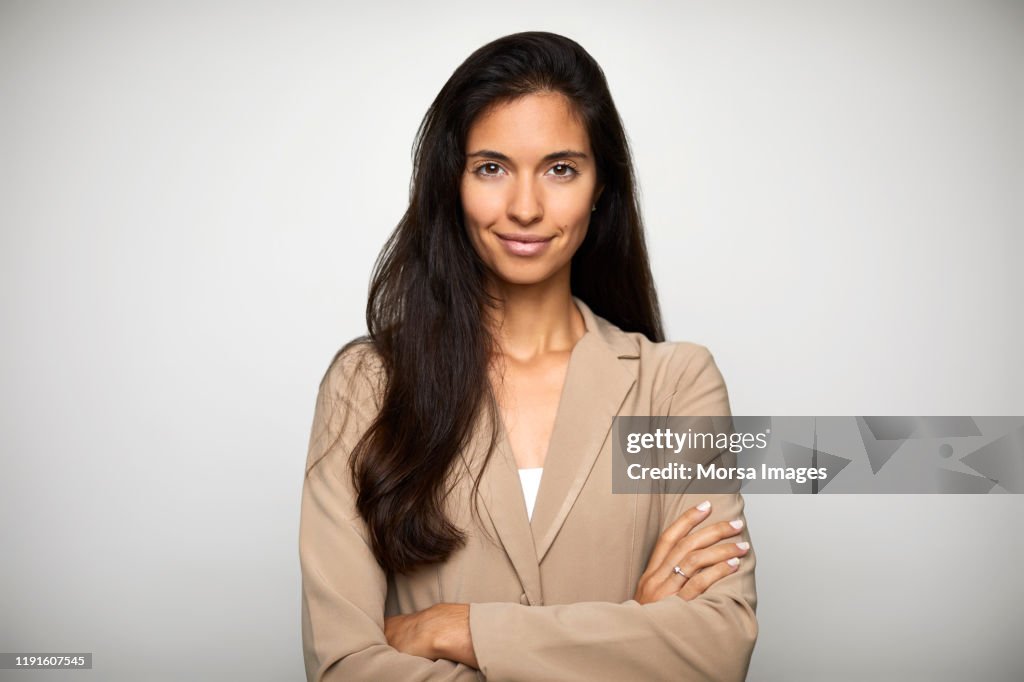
(549,599)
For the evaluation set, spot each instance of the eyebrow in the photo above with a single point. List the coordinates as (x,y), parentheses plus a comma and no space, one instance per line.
(565,153)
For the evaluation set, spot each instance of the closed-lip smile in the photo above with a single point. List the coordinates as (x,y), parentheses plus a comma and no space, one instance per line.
(526,238)
(524,245)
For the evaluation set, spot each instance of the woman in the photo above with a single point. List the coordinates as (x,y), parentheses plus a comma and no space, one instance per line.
(511,316)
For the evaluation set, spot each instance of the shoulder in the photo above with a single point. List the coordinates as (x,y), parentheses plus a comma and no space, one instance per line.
(696,386)
(355,376)
(348,399)
(669,365)
(676,358)
(686,361)
(682,376)
(680,368)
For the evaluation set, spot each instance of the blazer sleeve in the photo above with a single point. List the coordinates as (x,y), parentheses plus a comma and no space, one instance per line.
(343,587)
(709,638)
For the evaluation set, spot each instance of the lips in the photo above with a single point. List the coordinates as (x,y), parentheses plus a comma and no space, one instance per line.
(524,244)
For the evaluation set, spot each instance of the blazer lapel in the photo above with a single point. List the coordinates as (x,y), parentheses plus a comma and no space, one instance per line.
(502,496)
(596,385)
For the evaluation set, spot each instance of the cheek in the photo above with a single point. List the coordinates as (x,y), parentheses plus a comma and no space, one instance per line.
(476,217)
(481,208)
(573,215)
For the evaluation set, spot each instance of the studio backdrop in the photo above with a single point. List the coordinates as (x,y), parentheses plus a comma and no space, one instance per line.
(192,197)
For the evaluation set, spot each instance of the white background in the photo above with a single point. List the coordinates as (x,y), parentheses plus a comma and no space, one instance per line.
(192,195)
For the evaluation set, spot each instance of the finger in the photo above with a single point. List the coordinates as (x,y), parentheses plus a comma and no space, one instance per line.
(678,530)
(699,540)
(698,560)
(708,577)
(693,565)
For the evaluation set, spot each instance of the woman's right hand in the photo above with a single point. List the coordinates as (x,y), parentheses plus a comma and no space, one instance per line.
(695,553)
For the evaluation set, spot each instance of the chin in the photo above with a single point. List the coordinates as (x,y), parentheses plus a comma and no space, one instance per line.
(523,275)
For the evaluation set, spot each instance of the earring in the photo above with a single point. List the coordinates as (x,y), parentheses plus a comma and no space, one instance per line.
(594,208)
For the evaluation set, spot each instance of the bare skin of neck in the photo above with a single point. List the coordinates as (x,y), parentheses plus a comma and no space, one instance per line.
(535,328)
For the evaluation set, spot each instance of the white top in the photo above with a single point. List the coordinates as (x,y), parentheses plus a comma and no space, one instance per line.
(530,478)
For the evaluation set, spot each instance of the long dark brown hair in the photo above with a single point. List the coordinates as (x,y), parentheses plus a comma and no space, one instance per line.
(426,308)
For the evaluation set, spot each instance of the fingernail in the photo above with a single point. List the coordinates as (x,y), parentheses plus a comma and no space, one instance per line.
(734,562)
(704,506)
(743,545)
(737,524)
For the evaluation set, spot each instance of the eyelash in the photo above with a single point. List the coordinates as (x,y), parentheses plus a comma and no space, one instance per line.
(569,166)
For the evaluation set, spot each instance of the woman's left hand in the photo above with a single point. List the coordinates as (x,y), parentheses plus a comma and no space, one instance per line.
(441,631)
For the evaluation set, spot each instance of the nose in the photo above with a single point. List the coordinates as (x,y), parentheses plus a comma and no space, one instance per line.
(525,205)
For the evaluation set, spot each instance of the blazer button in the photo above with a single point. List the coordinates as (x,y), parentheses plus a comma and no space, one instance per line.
(524,600)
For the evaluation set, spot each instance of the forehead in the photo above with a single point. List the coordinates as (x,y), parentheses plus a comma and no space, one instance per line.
(534,124)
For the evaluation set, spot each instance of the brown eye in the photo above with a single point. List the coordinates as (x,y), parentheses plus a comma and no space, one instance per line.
(562,170)
(488,169)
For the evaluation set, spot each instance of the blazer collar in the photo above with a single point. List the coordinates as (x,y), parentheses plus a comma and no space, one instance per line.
(600,374)
(616,341)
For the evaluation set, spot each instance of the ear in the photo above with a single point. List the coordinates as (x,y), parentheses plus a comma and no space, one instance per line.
(597,194)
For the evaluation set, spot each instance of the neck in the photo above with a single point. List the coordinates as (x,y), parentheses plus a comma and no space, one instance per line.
(535,319)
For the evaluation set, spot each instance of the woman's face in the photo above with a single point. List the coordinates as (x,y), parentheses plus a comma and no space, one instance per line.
(528,187)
